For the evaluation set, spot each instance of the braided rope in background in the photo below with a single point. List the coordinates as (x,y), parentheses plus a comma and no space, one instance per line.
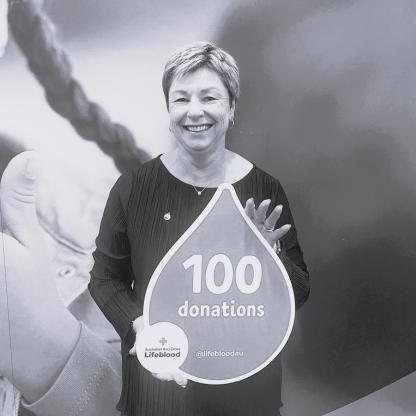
(35,35)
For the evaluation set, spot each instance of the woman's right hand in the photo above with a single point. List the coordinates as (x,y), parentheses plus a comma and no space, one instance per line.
(138,326)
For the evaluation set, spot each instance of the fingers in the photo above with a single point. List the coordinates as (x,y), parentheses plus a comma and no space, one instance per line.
(138,324)
(18,198)
(180,379)
(271,220)
(250,208)
(172,376)
(280,232)
(260,212)
(258,216)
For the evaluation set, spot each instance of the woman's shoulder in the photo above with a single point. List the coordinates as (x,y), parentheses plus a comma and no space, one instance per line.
(146,167)
(255,172)
(131,184)
(265,175)
(139,175)
(251,173)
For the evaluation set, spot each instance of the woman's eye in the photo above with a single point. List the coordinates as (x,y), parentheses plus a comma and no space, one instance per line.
(209,98)
(180,100)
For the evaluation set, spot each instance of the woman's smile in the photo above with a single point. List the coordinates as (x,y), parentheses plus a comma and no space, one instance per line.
(199,110)
(197,128)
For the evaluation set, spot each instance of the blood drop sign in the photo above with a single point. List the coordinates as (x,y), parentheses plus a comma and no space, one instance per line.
(219,306)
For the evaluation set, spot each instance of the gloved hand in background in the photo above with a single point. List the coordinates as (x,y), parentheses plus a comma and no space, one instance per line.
(42,331)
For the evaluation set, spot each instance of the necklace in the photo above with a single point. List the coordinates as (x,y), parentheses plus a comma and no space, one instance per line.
(199,192)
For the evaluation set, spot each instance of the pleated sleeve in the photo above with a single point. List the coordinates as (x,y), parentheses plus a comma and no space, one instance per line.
(112,274)
(291,254)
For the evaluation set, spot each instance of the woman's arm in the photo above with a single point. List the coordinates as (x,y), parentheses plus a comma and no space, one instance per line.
(112,275)
(291,254)
(275,222)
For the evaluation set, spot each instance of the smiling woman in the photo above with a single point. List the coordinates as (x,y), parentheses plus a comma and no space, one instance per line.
(201,86)
(200,110)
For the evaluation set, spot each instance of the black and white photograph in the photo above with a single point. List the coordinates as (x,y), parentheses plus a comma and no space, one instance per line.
(207,208)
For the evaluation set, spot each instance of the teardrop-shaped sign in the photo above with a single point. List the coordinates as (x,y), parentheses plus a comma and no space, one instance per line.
(224,287)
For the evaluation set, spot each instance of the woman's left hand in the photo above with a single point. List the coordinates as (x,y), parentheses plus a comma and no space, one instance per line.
(266,225)
(172,376)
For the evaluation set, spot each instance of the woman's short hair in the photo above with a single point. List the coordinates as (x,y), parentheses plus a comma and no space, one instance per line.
(197,55)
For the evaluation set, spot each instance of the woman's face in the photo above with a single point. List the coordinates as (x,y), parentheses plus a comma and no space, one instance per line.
(200,111)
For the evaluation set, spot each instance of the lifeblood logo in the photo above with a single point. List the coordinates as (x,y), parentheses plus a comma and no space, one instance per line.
(162,347)
(221,286)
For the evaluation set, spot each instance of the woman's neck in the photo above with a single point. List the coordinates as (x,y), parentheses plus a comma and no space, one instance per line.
(206,170)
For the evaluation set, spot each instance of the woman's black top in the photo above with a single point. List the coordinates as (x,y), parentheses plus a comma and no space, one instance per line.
(133,238)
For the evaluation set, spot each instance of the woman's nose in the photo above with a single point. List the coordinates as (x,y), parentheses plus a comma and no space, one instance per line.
(195,109)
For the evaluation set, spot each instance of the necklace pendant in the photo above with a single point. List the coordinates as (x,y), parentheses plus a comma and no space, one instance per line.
(198,191)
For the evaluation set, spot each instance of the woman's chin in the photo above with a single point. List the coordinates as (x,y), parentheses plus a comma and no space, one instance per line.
(198,145)
(202,144)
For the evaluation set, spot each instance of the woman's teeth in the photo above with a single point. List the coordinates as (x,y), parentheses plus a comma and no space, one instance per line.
(201,127)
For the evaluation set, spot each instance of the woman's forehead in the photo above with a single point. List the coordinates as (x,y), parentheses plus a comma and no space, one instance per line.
(200,80)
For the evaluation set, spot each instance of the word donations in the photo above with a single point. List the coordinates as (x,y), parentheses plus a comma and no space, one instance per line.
(222,286)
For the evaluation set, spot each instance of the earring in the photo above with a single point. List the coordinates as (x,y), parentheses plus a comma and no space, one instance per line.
(232,122)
